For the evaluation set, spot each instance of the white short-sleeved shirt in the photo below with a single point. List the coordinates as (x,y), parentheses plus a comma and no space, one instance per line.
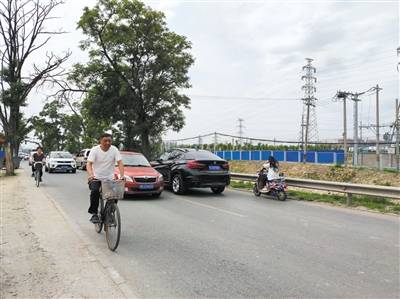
(104,162)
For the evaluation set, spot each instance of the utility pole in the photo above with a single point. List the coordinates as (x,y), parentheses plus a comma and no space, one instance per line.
(343,96)
(240,126)
(377,89)
(354,97)
(215,141)
(355,129)
(345,130)
(397,124)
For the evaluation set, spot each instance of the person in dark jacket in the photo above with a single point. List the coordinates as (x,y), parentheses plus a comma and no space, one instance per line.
(38,157)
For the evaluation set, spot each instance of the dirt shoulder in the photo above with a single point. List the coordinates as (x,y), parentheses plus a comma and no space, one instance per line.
(324,172)
(41,254)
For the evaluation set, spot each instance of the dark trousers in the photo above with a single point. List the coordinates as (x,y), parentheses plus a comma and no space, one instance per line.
(94,187)
(262,180)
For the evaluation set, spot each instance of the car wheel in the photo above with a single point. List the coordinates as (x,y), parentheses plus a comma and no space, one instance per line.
(73,170)
(218,190)
(50,170)
(46,169)
(178,186)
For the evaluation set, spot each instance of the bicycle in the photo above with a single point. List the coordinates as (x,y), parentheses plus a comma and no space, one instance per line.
(109,215)
(38,168)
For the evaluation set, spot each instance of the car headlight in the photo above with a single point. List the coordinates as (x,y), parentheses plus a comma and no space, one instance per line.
(160,178)
(128,178)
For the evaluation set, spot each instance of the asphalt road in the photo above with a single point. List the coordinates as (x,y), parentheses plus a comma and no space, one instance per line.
(236,245)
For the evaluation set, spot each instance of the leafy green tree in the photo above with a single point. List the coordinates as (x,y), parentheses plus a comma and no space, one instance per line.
(48,126)
(136,73)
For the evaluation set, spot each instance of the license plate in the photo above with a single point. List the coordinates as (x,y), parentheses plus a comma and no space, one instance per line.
(214,167)
(146,187)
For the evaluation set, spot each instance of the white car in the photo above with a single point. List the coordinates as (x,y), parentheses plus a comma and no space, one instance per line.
(81,158)
(60,161)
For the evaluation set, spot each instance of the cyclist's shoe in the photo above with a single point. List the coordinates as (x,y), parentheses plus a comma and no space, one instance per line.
(33,174)
(95,219)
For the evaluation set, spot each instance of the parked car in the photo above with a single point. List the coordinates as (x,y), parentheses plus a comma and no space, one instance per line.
(81,158)
(23,156)
(140,177)
(60,161)
(188,168)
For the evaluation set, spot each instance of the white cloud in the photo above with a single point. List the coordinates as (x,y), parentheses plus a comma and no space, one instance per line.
(257,49)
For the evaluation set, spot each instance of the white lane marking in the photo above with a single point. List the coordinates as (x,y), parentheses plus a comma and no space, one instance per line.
(214,208)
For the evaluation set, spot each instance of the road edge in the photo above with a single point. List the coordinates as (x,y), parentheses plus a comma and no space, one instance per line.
(97,255)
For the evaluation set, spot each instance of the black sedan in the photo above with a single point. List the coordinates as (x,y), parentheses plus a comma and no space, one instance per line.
(191,168)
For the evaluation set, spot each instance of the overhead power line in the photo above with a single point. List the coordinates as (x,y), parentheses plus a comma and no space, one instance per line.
(216,97)
(273,140)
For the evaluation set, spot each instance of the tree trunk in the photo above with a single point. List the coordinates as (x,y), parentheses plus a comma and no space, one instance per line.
(9,160)
(146,149)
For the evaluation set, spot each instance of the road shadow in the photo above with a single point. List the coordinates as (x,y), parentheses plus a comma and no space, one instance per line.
(199,193)
(144,197)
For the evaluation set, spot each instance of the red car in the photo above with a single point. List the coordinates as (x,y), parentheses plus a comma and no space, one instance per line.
(140,177)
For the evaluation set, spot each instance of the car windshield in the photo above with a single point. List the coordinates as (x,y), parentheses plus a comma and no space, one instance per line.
(135,160)
(201,155)
(61,155)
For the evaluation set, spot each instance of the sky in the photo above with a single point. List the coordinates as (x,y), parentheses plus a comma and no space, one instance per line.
(249,57)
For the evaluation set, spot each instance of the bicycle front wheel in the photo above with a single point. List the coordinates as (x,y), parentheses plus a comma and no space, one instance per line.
(37,178)
(112,225)
(99,226)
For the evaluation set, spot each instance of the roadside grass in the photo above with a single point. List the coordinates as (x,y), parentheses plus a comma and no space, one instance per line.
(3,174)
(391,170)
(242,185)
(380,204)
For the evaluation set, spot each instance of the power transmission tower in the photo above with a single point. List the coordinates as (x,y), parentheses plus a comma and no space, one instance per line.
(241,127)
(215,141)
(308,128)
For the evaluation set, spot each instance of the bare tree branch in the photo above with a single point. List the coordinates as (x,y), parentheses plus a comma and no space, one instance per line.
(22,32)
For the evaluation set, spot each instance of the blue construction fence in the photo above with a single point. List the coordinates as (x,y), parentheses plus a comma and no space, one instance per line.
(2,156)
(320,157)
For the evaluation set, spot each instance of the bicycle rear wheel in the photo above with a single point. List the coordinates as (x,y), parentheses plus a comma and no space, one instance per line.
(112,225)
(99,226)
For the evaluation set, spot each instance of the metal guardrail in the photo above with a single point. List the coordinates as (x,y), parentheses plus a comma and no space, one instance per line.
(349,189)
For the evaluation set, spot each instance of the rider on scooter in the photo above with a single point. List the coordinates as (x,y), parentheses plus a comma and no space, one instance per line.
(267,173)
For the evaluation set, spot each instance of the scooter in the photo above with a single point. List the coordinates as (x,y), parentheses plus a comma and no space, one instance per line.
(276,188)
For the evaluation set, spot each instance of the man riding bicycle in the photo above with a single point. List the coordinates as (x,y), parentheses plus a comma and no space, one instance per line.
(38,157)
(100,166)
